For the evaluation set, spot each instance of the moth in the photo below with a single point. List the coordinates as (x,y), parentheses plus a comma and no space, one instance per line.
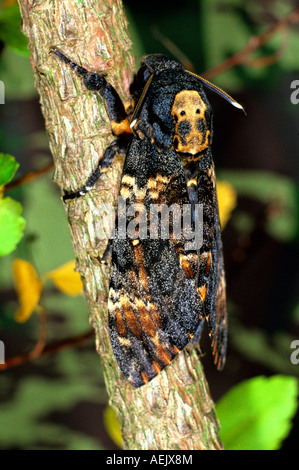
(167,273)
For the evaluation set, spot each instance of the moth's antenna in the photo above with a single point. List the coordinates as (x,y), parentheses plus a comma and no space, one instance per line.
(140,101)
(220,92)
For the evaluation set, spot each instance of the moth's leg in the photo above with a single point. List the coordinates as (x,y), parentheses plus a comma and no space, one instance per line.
(118,118)
(156,131)
(118,146)
(107,251)
(97,82)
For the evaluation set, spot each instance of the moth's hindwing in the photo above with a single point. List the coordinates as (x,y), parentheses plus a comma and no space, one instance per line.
(211,282)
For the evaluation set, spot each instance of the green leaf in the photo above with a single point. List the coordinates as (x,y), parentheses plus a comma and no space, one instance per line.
(10,30)
(228,27)
(256,414)
(221,26)
(8,167)
(11,225)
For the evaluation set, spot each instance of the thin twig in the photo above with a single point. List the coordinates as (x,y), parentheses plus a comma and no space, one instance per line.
(265,61)
(38,351)
(41,342)
(254,44)
(173,48)
(28,177)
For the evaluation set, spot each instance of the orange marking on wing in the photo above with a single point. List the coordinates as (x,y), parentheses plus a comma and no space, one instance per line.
(141,268)
(214,344)
(146,321)
(145,377)
(163,354)
(216,359)
(130,318)
(186,267)
(208,265)
(156,367)
(202,292)
(156,317)
(133,278)
(120,326)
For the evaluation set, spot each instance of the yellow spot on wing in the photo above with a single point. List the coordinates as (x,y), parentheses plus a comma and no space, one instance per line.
(192,182)
(129,189)
(202,292)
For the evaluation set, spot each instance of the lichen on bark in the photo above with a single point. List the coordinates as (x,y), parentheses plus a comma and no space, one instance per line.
(175,410)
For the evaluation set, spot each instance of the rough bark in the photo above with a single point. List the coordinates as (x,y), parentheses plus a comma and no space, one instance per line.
(175,410)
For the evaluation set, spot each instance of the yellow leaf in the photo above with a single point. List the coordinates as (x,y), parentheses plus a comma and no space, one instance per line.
(28,287)
(112,426)
(8,3)
(66,279)
(227,200)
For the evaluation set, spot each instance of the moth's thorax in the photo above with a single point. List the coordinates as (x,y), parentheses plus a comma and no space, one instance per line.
(192,133)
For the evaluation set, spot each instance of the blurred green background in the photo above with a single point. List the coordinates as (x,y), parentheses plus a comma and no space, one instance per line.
(58,401)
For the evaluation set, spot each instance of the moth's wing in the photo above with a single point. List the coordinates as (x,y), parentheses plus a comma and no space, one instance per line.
(215,304)
(154,308)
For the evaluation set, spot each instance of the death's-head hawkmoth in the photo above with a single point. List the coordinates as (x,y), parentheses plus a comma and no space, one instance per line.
(167,273)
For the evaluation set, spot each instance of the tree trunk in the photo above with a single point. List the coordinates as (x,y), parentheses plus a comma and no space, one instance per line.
(175,410)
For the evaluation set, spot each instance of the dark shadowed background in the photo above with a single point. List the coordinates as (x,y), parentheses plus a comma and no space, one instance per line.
(58,401)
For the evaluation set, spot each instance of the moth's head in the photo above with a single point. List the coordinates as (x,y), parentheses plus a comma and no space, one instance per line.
(171,101)
(159,63)
(152,65)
